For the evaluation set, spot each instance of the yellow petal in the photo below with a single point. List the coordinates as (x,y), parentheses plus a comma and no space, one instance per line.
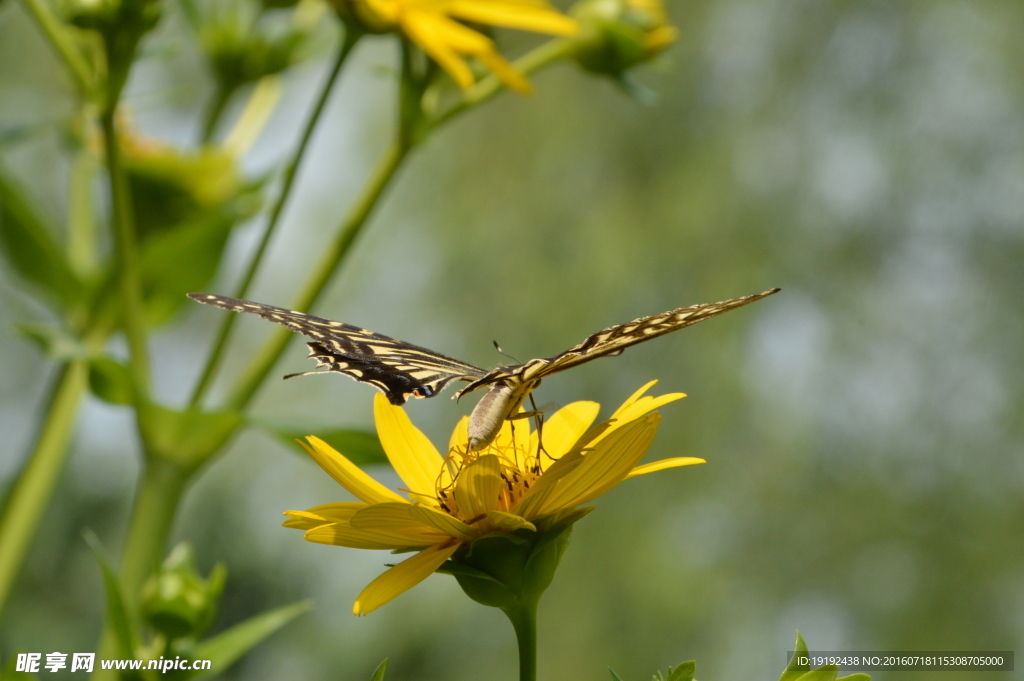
(401,578)
(663,464)
(508,522)
(605,466)
(410,452)
(645,404)
(343,534)
(419,27)
(391,518)
(505,72)
(347,474)
(445,523)
(322,515)
(476,490)
(565,427)
(633,398)
(538,17)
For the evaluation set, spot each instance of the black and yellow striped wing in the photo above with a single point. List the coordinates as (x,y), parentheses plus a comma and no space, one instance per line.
(613,340)
(396,368)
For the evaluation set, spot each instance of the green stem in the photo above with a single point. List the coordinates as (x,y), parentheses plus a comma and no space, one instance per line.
(542,56)
(352,36)
(62,43)
(81,247)
(32,491)
(156,501)
(524,621)
(159,493)
(126,253)
(245,388)
(221,97)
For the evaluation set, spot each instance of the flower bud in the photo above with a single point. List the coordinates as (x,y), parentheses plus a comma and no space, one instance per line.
(177,601)
(616,35)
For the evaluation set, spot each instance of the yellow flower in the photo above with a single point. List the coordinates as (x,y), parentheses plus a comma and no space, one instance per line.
(433,26)
(504,488)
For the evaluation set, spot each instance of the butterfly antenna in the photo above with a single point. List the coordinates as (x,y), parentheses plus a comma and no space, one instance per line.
(498,348)
(539,418)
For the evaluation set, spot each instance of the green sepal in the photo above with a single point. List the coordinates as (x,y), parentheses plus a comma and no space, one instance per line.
(227,647)
(794,670)
(110,381)
(507,570)
(378,673)
(187,438)
(615,677)
(117,613)
(361,447)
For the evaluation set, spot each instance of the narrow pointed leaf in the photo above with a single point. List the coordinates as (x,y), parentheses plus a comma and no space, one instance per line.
(378,674)
(226,648)
(794,670)
(117,613)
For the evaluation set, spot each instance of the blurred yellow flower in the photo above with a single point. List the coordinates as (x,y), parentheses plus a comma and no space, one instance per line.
(466,495)
(433,25)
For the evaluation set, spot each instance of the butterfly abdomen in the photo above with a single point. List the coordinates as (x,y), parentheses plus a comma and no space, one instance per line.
(489,413)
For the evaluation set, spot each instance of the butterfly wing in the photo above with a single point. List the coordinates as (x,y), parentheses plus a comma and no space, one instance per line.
(396,368)
(613,340)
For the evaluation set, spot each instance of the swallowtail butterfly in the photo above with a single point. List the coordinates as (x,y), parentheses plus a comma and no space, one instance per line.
(401,370)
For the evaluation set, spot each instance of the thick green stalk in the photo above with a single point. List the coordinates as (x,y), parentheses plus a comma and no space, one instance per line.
(159,492)
(62,43)
(524,621)
(245,388)
(31,493)
(126,253)
(217,354)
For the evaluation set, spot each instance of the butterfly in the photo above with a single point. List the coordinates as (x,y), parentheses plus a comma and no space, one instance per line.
(402,370)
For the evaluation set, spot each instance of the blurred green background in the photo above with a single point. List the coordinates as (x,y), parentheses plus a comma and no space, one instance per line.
(864,429)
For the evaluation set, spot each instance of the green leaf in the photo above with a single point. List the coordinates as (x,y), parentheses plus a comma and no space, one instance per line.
(180,260)
(117,613)
(683,672)
(793,670)
(361,447)
(30,249)
(378,674)
(188,438)
(827,672)
(615,677)
(110,381)
(226,648)
(56,343)
(855,677)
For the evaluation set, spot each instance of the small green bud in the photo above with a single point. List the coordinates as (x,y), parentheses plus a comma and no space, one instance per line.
(177,601)
(616,35)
